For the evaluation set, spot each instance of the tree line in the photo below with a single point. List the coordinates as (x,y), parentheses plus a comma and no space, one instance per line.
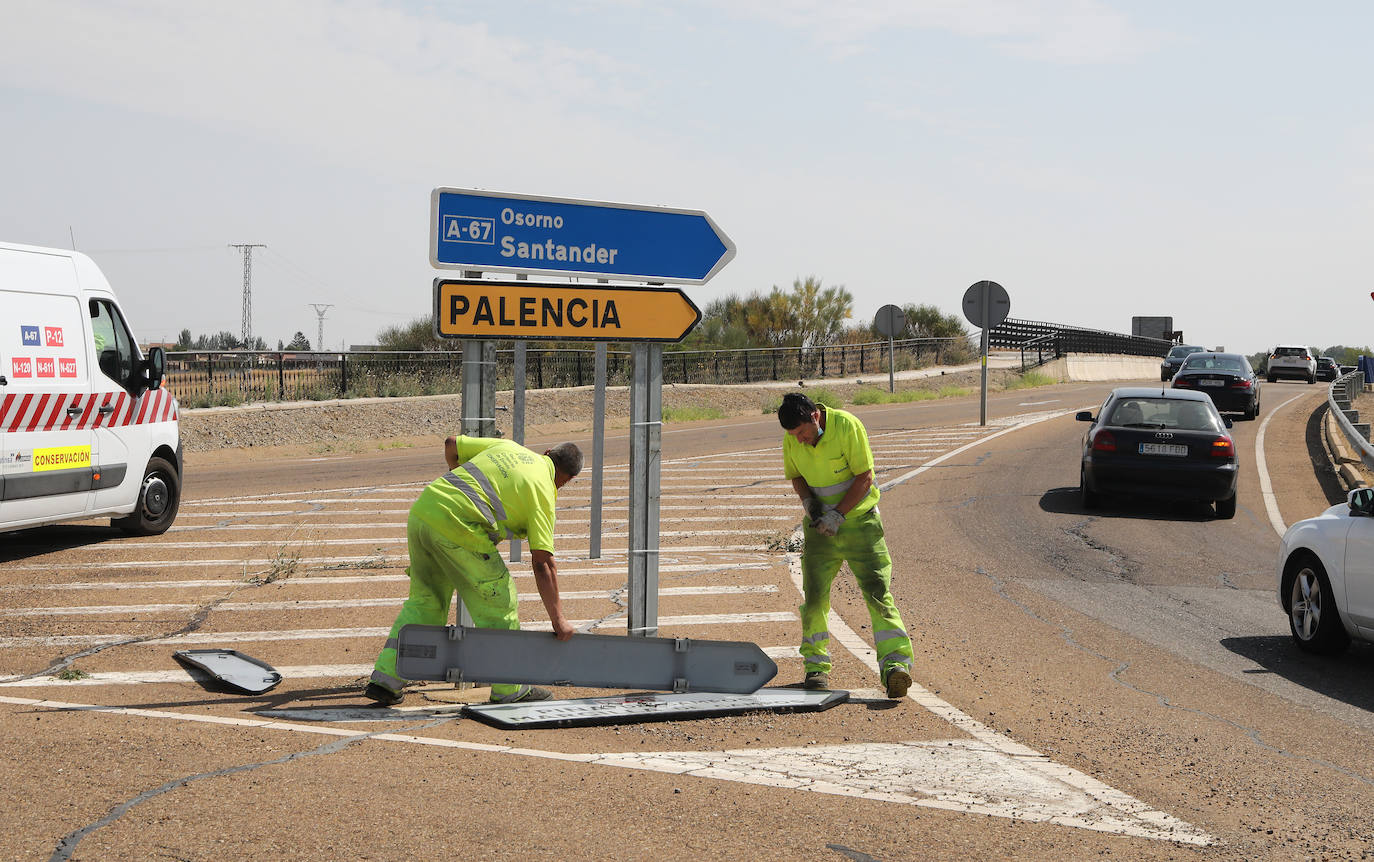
(226,340)
(807,316)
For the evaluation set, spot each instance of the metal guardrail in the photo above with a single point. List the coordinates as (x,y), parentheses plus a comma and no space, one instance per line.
(1014,334)
(1340,397)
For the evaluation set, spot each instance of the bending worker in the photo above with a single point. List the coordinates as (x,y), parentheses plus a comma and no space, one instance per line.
(827,457)
(494,489)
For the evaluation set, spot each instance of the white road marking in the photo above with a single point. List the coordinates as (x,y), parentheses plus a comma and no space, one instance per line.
(310,580)
(990,774)
(325,634)
(334,604)
(954,775)
(1271,503)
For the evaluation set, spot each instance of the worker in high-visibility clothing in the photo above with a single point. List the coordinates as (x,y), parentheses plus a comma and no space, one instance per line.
(494,489)
(826,455)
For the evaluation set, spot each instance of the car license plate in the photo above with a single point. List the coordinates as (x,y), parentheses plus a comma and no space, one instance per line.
(1163,449)
(1213,382)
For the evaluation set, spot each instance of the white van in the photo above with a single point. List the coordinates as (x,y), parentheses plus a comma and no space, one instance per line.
(86,429)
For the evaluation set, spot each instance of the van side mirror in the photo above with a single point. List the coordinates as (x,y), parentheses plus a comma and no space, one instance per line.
(1361,501)
(1226,420)
(1084,416)
(109,363)
(156,365)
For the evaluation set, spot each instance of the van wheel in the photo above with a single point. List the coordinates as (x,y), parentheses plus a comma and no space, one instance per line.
(158,499)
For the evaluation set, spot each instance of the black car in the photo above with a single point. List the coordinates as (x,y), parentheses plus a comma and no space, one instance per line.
(1179,352)
(1327,369)
(1226,378)
(1160,443)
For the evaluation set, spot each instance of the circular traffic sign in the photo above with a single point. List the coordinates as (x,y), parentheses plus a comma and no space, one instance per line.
(986,304)
(890,321)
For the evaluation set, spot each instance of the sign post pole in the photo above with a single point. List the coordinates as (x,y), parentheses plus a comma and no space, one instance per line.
(890,321)
(983,353)
(646,431)
(986,305)
(598,450)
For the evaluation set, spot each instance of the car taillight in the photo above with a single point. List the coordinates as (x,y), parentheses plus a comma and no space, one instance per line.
(1104,441)
(1222,447)
(1182,381)
(1240,384)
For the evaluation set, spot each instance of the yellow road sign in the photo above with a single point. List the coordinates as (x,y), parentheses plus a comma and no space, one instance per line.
(565,312)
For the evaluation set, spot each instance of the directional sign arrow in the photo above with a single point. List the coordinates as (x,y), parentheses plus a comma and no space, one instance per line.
(478,230)
(566,312)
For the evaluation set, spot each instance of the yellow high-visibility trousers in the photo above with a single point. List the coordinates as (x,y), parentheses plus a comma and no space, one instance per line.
(439,567)
(860,543)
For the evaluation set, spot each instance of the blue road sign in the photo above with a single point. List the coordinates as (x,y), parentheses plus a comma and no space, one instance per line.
(518,233)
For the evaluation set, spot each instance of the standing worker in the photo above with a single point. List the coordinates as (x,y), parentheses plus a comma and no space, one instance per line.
(494,489)
(827,457)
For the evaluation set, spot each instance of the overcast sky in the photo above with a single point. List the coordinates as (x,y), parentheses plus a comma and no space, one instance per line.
(1212,161)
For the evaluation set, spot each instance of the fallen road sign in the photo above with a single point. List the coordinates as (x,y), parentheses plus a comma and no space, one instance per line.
(564,312)
(232,668)
(632,709)
(464,654)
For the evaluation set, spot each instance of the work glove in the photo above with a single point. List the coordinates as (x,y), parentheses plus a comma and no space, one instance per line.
(814,509)
(829,523)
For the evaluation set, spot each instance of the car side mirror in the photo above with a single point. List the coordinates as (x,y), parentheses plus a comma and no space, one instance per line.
(1227,421)
(1361,501)
(1084,416)
(156,364)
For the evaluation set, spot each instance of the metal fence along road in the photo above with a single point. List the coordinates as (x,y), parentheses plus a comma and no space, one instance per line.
(206,378)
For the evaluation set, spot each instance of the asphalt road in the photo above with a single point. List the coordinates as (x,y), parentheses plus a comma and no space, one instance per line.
(1112,683)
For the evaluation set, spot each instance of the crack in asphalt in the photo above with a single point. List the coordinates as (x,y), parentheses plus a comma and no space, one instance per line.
(67,845)
(1122,666)
(196,621)
(1124,569)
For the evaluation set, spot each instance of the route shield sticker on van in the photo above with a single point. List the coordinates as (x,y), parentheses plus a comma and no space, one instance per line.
(29,336)
(21,366)
(61,458)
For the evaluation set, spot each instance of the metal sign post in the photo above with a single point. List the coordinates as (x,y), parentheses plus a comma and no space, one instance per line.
(890,321)
(598,450)
(646,431)
(986,304)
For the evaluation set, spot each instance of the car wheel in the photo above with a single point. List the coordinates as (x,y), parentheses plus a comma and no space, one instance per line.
(1091,499)
(1252,411)
(1227,508)
(1311,378)
(159,497)
(1312,615)
(1270,379)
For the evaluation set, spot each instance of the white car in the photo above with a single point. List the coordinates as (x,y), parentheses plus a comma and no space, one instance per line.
(1291,360)
(1326,575)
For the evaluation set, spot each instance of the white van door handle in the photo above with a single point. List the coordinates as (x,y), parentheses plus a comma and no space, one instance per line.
(105,409)
(75,411)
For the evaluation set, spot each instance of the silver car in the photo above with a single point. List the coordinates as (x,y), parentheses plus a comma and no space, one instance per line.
(1326,575)
(1291,360)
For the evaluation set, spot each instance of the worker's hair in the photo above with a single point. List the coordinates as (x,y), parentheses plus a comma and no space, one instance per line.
(566,458)
(796,408)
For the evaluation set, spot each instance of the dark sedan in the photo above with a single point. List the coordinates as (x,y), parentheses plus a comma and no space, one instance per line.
(1172,362)
(1159,443)
(1327,369)
(1226,378)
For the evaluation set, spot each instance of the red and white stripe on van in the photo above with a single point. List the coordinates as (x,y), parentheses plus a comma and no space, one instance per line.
(55,411)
